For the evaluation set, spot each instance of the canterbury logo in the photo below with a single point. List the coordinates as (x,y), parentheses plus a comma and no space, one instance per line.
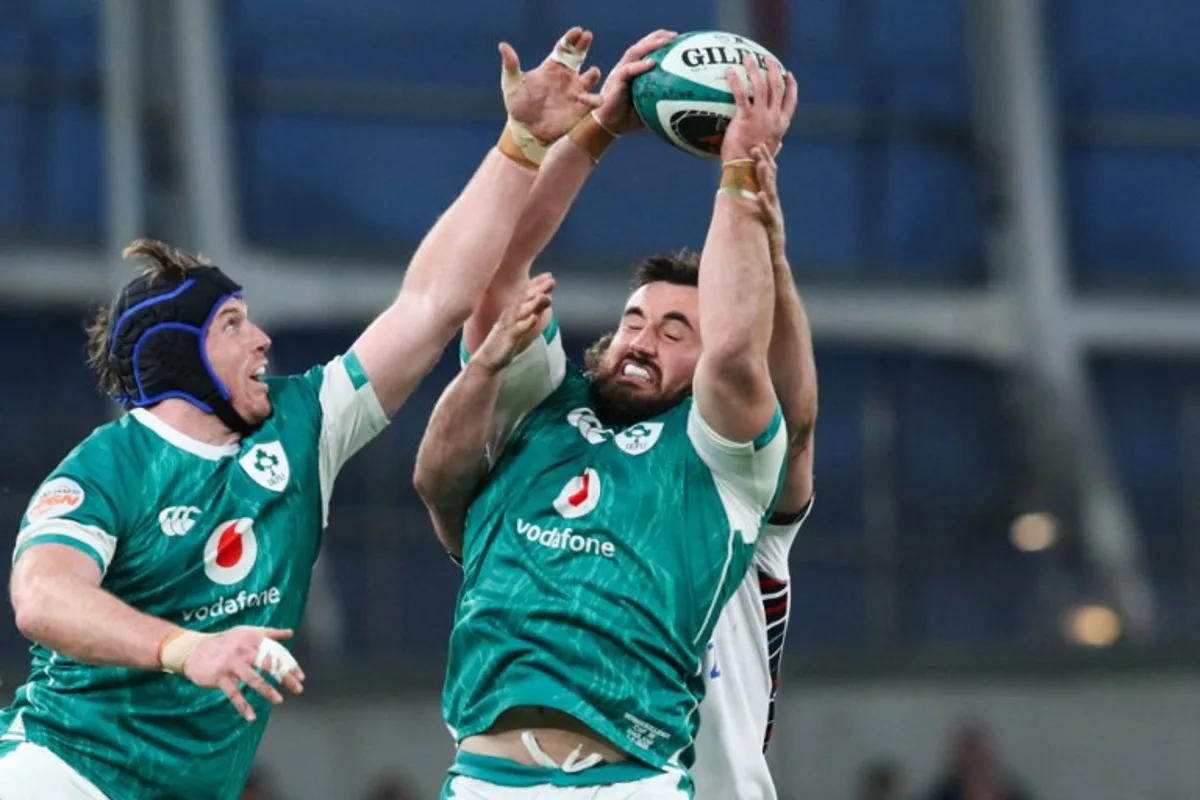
(177,520)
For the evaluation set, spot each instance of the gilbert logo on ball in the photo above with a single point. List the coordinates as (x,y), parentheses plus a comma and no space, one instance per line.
(685,98)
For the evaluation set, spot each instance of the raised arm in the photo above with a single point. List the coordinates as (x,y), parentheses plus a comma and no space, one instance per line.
(459,255)
(790,356)
(456,450)
(732,387)
(566,168)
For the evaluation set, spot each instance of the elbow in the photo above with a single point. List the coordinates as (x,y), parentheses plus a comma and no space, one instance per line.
(31,609)
(450,305)
(430,483)
(425,482)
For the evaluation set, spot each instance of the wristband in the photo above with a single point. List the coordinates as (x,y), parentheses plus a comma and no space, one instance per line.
(591,134)
(739,178)
(521,146)
(177,647)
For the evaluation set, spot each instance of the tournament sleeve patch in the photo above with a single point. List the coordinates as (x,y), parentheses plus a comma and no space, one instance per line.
(57,497)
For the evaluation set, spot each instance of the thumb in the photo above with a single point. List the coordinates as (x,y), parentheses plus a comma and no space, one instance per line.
(508,59)
(632,70)
(277,634)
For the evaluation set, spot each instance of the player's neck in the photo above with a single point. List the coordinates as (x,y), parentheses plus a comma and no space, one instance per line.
(194,423)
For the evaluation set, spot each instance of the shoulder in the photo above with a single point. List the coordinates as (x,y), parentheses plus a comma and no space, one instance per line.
(97,478)
(296,398)
(297,387)
(111,452)
(574,391)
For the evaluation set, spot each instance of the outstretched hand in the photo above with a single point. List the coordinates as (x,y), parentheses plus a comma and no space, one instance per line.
(517,326)
(764,114)
(235,657)
(549,99)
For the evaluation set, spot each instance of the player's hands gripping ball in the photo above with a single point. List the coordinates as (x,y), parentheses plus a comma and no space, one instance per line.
(517,326)
(233,658)
(764,109)
(616,112)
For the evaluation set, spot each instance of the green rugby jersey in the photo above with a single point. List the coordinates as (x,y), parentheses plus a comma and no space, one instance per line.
(597,560)
(206,537)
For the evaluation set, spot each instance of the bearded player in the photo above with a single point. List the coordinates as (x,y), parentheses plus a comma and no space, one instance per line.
(163,561)
(620,505)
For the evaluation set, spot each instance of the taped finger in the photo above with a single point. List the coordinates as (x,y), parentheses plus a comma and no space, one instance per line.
(274,659)
(569,55)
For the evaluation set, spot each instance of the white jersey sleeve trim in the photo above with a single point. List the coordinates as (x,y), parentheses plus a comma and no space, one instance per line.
(533,376)
(749,475)
(775,546)
(351,416)
(93,540)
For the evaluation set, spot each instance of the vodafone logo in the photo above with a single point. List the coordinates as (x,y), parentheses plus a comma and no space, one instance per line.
(579,496)
(230,552)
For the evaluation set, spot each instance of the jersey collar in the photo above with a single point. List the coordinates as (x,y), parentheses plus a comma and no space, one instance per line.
(212,452)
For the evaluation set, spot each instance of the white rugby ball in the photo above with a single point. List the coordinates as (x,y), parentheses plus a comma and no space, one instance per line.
(685,98)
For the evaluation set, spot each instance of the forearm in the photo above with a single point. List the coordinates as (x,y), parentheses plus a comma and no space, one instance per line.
(459,255)
(452,458)
(737,291)
(793,366)
(86,623)
(559,181)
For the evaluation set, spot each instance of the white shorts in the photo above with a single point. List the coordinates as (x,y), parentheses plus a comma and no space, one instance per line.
(31,772)
(660,787)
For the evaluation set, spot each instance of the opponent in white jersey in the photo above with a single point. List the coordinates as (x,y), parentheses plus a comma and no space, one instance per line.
(729,759)
(742,674)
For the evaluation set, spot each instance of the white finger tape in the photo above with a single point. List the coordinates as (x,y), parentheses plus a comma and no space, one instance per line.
(274,659)
(568,55)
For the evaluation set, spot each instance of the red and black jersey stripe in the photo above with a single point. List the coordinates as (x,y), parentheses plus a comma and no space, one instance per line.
(776,595)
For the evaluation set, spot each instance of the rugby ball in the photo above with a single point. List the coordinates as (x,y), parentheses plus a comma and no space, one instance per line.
(685,98)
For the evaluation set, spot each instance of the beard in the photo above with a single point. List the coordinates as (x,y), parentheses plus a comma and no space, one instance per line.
(618,403)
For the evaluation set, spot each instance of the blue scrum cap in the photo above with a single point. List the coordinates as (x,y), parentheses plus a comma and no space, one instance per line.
(156,341)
